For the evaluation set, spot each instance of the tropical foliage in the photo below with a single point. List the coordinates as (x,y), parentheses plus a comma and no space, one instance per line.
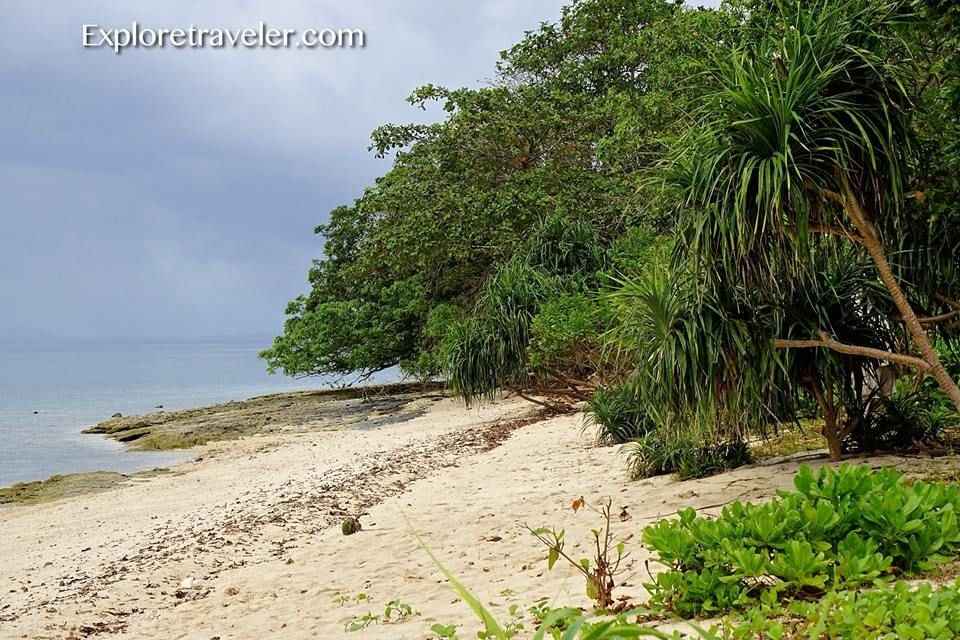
(840,529)
(701,222)
(823,561)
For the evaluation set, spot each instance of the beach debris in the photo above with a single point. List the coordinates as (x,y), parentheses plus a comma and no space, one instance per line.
(300,506)
(232,591)
(350,526)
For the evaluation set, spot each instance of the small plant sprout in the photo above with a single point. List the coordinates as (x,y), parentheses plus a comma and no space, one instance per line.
(600,572)
(361,622)
(397,611)
(444,631)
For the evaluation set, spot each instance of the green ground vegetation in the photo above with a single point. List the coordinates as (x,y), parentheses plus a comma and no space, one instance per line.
(851,553)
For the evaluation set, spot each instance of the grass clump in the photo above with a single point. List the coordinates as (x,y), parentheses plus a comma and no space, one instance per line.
(841,528)
(350,526)
(660,452)
(619,414)
(394,612)
(789,441)
(905,419)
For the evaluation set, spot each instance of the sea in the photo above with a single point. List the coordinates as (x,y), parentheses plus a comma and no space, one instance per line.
(51,391)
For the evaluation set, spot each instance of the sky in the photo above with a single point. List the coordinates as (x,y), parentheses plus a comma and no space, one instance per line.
(172,193)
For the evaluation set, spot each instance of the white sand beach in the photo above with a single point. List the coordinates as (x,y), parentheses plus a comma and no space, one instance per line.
(245,542)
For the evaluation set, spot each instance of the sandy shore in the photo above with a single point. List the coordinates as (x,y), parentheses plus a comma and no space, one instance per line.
(245,542)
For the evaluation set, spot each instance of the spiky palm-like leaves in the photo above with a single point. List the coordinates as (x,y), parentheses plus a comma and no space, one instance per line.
(696,365)
(808,137)
(813,105)
(489,350)
(565,246)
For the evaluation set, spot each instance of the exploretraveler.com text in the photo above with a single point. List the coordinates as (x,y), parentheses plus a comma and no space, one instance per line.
(261,36)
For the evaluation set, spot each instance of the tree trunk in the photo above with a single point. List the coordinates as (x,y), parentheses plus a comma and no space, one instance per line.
(834,444)
(871,241)
(831,431)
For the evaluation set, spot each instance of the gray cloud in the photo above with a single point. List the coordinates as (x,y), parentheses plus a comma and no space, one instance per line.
(173,192)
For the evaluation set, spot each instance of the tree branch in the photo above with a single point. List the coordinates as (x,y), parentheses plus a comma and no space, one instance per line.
(830,230)
(546,405)
(836,231)
(827,342)
(833,196)
(947,301)
(943,317)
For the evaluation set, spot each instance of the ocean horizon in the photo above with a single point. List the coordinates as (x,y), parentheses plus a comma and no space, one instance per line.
(50,390)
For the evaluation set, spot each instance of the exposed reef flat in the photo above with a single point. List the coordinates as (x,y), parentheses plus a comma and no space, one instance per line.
(277,413)
(70,485)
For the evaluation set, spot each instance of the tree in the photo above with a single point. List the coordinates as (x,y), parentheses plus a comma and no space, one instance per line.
(574,117)
(809,137)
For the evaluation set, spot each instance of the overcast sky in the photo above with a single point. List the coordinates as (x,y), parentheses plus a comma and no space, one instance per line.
(172,193)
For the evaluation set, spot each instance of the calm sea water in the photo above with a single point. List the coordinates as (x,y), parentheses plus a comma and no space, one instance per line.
(48,394)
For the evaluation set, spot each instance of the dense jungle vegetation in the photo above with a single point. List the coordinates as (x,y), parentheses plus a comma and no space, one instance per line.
(704,223)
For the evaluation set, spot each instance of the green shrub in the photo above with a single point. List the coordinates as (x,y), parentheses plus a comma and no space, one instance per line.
(903,420)
(949,351)
(831,545)
(887,614)
(637,249)
(917,612)
(841,528)
(565,334)
(659,452)
(619,414)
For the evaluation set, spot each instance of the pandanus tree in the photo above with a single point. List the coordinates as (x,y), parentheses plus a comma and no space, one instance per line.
(808,143)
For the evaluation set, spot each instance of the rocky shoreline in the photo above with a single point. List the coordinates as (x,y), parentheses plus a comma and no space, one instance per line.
(274,413)
(280,413)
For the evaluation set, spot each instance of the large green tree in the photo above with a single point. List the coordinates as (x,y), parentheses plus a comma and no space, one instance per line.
(575,116)
(710,218)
